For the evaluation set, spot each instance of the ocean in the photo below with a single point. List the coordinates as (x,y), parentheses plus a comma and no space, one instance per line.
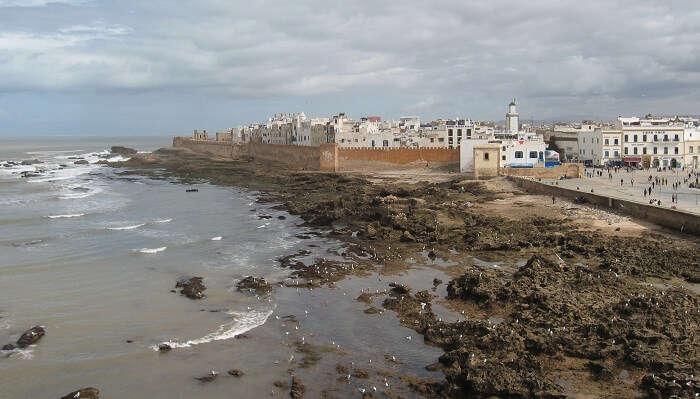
(92,253)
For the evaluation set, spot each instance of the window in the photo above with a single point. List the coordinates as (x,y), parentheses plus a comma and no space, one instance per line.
(627,138)
(626,150)
(533,154)
(644,150)
(635,138)
(518,154)
(504,148)
(607,154)
(634,150)
(449,132)
(441,139)
(486,156)
(690,149)
(644,138)
(385,143)
(616,142)
(617,153)
(432,140)
(665,137)
(607,141)
(373,143)
(503,157)
(656,150)
(656,138)
(459,132)
(675,150)
(665,150)
(675,138)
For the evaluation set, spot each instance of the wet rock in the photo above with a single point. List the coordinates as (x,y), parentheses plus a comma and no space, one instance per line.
(297,389)
(359,373)
(399,289)
(207,378)
(81,162)
(242,336)
(192,287)
(27,174)
(126,151)
(164,348)
(281,217)
(8,347)
(30,162)
(84,393)
(31,336)
(235,373)
(264,217)
(281,384)
(599,371)
(372,310)
(436,282)
(253,284)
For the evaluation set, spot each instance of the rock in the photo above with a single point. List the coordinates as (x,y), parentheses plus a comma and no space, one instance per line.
(31,162)
(81,162)
(164,348)
(371,231)
(253,284)
(84,393)
(27,174)
(8,347)
(436,282)
(235,373)
(207,378)
(281,217)
(122,150)
(281,384)
(31,336)
(408,237)
(192,287)
(298,388)
(399,289)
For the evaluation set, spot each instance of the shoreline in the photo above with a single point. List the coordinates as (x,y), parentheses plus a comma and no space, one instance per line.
(559,267)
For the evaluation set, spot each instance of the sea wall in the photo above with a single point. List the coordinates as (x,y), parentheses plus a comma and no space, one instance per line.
(296,156)
(672,218)
(369,159)
(300,157)
(574,170)
(217,149)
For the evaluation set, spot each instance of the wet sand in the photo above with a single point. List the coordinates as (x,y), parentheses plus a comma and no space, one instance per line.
(521,298)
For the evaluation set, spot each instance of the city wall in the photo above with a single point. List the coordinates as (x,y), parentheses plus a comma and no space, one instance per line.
(674,219)
(370,159)
(573,170)
(217,149)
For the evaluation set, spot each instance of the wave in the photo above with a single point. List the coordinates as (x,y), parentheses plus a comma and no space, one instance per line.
(75,215)
(24,354)
(136,226)
(86,192)
(216,238)
(151,250)
(163,220)
(242,323)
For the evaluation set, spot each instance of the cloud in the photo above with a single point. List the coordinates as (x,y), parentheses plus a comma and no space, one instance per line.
(38,3)
(454,56)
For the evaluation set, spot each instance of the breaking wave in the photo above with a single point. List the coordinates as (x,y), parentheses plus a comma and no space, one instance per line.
(216,238)
(74,215)
(136,226)
(151,250)
(243,322)
(163,220)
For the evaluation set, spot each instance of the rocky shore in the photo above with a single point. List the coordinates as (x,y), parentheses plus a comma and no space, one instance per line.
(566,303)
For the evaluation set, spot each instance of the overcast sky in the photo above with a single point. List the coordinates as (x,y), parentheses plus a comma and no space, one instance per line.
(155,66)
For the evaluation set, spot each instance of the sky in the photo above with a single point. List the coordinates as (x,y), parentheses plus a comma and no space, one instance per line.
(165,67)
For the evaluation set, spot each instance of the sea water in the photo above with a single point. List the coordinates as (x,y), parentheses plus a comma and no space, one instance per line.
(92,253)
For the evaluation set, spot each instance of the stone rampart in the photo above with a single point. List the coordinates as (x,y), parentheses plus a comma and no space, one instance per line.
(395,158)
(218,149)
(672,218)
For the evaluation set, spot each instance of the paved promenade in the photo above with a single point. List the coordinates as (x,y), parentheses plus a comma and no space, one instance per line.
(630,185)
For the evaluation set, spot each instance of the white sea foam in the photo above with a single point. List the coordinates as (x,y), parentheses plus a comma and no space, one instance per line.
(163,220)
(63,174)
(24,354)
(74,215)
(136,226)
(88,193)
(242,323)
(216,238)
(264,225)
(151,250)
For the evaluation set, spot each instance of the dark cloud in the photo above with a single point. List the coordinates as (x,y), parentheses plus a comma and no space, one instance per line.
(594,59)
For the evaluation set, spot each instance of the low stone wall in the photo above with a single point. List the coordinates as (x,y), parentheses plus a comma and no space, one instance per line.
(672,218)
(573,170)
(395,158)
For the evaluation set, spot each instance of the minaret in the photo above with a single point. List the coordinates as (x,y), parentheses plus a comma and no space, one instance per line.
(512,118)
